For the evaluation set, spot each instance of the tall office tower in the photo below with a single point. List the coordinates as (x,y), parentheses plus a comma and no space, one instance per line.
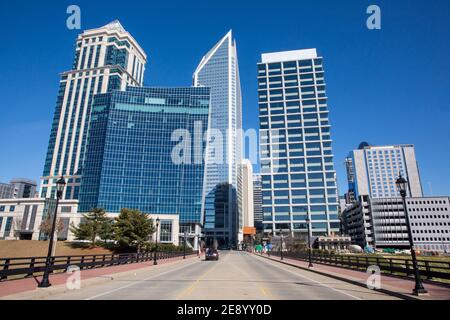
(106,59)
(257,203)
(219,71)
(298,176)
(245,183)
(145,151)
(373,170)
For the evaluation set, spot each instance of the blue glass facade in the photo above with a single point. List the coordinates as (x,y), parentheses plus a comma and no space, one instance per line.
(219,71)
(297,170)
(129,161)
(102,63)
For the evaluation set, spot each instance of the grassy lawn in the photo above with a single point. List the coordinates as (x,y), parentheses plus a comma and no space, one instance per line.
(20,249)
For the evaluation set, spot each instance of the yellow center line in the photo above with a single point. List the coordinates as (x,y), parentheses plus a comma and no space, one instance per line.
(192,287)
(266,292)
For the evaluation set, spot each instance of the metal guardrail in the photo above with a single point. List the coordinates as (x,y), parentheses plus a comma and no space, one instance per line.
(30,266)
(431,270)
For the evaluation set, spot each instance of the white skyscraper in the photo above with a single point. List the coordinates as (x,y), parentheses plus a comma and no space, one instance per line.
(246,198)
(297,167)
(219,70)
(373,170)
(106,59)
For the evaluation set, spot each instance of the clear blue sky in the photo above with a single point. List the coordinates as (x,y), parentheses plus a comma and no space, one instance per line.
(390,86)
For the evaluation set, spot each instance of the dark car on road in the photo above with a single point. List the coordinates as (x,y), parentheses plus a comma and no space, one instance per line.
(212,254)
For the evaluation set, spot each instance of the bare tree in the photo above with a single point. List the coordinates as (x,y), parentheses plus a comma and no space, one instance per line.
(17,227)
(46,226)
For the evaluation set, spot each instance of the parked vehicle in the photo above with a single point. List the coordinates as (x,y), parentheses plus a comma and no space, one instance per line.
(211,254)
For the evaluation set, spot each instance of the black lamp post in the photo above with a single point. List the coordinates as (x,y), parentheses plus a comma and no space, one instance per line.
(308,221)
(402,185)
(184,246)
(281,245)
(45,283)
(199,245)
(155,262)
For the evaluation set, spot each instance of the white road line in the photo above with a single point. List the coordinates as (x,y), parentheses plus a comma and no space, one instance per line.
(319,283)
(136,282)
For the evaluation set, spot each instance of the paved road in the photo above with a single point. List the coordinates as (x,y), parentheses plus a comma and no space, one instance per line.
(237,275)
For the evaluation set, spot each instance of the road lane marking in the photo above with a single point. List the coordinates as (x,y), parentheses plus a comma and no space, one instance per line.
(192,287)
(137,282)
(266,292)
(318,282)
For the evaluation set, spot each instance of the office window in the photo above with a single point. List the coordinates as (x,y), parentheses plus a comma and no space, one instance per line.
(8,226)
(166,231)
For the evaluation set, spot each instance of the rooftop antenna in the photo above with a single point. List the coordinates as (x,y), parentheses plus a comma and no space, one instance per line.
(430,187)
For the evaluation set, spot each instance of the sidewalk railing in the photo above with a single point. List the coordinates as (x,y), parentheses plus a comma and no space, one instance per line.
(432,270)
(30,266)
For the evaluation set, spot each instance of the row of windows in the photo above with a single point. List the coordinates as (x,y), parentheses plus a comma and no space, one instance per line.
(300,226)
(429,209)
(432,231)
(431,239)
(11,208)
(428,202)
(431,217)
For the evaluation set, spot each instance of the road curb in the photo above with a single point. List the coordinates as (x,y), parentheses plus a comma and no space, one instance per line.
(385,291)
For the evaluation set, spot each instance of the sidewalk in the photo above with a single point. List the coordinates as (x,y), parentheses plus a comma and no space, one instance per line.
(12,287)
(389,285)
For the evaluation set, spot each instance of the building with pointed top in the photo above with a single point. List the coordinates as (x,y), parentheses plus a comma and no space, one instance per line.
(219,71)
(106,59)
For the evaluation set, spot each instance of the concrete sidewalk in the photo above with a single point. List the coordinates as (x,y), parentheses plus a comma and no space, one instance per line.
(13,287)
(391,285)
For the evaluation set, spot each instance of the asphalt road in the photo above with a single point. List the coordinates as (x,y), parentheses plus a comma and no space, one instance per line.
(236,276)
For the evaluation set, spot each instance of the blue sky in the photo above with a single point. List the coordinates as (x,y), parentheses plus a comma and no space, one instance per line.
(388,86)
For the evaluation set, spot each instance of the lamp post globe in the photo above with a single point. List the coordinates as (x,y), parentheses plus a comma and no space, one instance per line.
(45,282)
(60,185)
(402,185)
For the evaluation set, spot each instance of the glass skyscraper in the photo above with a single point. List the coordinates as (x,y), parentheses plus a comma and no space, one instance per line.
(132,157)
(219,71)
(106,59)
(297,171)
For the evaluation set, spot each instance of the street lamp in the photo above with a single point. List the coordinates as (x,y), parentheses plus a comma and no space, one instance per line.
(45,283)
(281,245)
(402,185)
(308,221)
(184,249)
(155,262)
(199,245)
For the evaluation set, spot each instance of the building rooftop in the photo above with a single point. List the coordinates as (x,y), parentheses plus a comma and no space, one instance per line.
(289,55)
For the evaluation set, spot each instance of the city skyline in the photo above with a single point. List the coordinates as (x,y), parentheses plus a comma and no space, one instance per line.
(381,123)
